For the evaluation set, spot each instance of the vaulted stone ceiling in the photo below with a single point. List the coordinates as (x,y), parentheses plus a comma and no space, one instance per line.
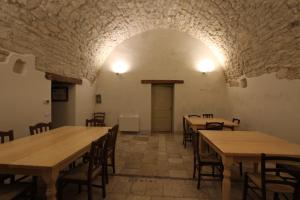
(74,37)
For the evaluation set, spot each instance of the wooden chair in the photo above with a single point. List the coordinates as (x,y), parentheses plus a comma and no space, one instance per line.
(6,136)
(87,174)
(3,177)
(236,120)
(88,123)
(100,116)
(187,132)
(214,125)
(273,178)
(208,115)
(40,128)
(201,160)
(111,147)
(94,122)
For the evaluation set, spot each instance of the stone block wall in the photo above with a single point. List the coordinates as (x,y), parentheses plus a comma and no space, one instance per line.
(74,37)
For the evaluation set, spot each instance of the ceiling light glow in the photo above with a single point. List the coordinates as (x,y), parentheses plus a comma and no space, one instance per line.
(206,65)
(120,67)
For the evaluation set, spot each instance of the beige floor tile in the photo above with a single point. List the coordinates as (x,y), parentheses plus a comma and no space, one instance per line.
(154,187)
(142,159)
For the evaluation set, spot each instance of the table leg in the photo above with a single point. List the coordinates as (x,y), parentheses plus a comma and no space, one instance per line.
(226,184)
(50,181)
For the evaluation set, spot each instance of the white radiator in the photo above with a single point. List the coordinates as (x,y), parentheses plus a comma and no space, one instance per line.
(130,123)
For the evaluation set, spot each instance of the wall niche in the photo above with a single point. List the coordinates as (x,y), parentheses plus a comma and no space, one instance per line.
(19,67)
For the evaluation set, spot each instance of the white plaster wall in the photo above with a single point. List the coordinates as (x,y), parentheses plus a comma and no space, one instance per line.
(22,101)
(84,101)
(161,54)
(269,105)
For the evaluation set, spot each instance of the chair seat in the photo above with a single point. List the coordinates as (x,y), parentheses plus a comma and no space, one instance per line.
(10,191)
(256,179)
(80,173)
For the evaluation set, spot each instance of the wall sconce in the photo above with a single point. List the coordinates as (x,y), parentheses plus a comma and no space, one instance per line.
(120,67)
(205,66)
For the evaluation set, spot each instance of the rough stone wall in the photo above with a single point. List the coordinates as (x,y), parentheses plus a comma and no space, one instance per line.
(74,37)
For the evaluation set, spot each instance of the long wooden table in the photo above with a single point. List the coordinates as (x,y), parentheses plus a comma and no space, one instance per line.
(236,146)
(48,153)
(200,122)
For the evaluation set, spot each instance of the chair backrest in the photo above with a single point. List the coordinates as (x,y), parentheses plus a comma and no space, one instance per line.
(195,143)
(193,115)
(214,125)
(112,138)
(6,134)
(236,120)
(184,125)
(40,128)
(100,116)
(94,122)
(268,166)
(208,115)
(97,156)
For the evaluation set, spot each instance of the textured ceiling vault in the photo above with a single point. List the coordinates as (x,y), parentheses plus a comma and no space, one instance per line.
(74,37)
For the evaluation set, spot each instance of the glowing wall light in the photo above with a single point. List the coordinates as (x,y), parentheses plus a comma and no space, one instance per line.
(120,67)
(205,66)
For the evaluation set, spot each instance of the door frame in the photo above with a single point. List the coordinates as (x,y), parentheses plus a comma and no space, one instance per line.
(172,85)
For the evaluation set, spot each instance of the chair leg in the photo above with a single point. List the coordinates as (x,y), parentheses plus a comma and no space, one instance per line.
(12,179)
(199,176)
(103,179)
(90,188)
(194,172)
(59,190)
(276,196)
(245,191)
(106,174)
(34,185)
(113,163)
(79,188)
(241,168)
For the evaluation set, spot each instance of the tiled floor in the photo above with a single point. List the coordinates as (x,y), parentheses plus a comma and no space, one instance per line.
(154,167)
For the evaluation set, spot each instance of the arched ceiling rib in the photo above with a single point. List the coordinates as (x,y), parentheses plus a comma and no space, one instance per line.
(74,37)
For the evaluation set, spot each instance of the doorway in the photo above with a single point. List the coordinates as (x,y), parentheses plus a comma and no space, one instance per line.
(162,107)
(62,104)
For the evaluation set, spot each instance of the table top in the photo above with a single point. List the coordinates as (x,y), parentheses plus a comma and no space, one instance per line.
(200,121)
(249,143)
(49,149)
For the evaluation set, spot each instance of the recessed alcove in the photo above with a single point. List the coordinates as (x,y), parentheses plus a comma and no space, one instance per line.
(19,67)
(244,83)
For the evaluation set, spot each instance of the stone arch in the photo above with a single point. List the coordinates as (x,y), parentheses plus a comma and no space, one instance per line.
(74,37)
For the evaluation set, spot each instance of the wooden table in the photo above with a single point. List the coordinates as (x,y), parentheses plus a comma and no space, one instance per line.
(200,122)
(48,153)
(236,146)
